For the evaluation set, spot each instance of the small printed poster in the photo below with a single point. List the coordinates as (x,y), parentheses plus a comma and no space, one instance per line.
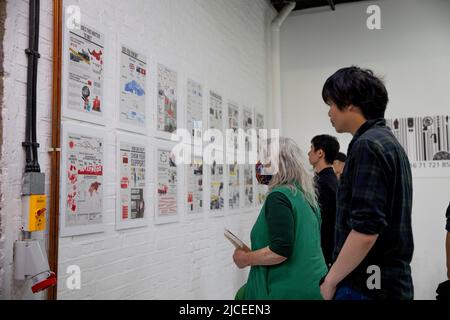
(247,124)
(195,186)
(85,73)
(233,123)
(215,111)
(194,108)
(167,99)
(167,183)
(248,185)
(131,180)
(261,190)
(82,180)
(133,73)
(217,187)
(234,187)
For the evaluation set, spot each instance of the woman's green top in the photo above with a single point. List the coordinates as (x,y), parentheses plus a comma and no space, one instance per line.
(297,277)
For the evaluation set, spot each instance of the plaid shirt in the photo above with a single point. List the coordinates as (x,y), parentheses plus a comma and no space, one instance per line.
(375,197)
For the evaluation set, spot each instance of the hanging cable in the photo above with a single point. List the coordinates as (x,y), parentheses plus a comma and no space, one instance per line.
(30,144)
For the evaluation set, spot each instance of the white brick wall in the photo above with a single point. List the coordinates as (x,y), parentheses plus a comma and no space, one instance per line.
(224,43)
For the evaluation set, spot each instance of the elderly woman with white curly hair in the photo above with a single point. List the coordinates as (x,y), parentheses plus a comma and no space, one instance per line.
(286,258)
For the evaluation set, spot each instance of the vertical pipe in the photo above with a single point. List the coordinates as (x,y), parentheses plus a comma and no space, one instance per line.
(36,56)
(56,131)
(28,121)
(277,112)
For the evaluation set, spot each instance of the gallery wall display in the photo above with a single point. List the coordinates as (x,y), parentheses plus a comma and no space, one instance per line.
(167,184)
(426,140)
(133,90)
(194,181)
(131,196)
(83,72)
(194,109)
(176,188)
(82,163)
(167,112)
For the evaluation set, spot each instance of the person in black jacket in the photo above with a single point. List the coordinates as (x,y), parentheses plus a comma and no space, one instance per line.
(443,290)
(324,149)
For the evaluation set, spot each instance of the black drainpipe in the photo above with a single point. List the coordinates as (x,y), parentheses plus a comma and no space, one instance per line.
(31,146)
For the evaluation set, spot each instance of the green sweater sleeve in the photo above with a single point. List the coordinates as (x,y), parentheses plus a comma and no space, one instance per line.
(280,219)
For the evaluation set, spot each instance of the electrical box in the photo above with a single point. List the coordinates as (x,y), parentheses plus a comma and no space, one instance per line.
(33,183)
(34,213)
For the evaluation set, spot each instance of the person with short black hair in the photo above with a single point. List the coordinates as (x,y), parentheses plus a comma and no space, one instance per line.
(374,198)
(339,164)
(324,149)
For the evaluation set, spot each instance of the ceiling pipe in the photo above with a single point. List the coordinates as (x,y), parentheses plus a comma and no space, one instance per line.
(331,3)
(277,112)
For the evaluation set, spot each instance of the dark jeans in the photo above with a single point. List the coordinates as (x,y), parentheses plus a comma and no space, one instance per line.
(347,293)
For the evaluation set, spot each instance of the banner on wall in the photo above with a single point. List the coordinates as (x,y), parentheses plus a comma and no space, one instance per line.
(167,100)
(85,50)
(133,71)
(426,140)
(131,204)
(82,174)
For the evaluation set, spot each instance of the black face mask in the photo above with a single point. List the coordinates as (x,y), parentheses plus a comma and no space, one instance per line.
(261,176)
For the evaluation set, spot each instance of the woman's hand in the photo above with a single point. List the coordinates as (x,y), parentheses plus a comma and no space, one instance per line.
(241,257)
(327,290)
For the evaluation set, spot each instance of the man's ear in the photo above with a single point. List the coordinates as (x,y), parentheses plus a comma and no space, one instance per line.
(353,108)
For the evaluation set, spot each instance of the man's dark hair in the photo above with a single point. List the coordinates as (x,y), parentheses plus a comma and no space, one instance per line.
(341,157)
(359,87)
(328,144)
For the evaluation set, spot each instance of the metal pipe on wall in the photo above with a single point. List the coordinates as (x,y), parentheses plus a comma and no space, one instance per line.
(56,143)
(276,66)
(30,144)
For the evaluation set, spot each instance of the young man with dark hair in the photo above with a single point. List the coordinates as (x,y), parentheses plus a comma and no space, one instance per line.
(373,241)
(339,164)
(324,149)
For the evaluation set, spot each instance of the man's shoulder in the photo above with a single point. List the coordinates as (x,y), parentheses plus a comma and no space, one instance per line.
(378,139)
